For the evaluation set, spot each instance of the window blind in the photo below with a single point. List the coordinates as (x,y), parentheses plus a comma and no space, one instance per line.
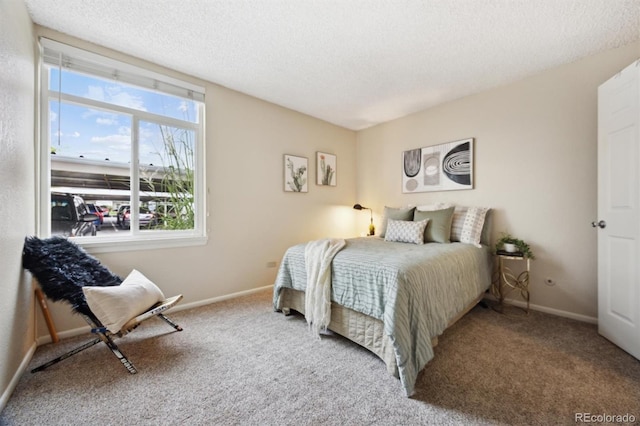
(62,55)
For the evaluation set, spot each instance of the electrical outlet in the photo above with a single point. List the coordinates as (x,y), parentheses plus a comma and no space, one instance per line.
(272,264)
(549,281)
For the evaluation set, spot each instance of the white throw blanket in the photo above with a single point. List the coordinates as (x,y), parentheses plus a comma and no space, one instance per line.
(318,256)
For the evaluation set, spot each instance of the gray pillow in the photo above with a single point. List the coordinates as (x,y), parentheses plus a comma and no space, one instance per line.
(439,227)
(395,214)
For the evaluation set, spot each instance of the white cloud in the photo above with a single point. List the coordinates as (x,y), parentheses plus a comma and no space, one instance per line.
(183,106)
(75,134)
(106,121)
(88,113)
(115,147)
(119,97)
(145,133)
(96,93)
(115,95)
(119,140)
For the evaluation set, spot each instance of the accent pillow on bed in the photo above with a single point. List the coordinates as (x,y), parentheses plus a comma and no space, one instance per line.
(115,306)
(459,214)
(406,231)
(439,228)
(395,214)
(434,206)
(472,219)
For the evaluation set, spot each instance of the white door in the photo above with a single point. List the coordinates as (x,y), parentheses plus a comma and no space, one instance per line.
(618,221)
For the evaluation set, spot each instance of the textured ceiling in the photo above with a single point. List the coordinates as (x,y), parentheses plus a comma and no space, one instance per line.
(355,63)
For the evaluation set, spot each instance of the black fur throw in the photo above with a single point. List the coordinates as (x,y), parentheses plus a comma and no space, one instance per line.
(62,268)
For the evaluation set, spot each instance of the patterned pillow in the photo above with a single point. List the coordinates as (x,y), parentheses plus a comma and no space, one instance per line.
(471,232)
(406,231)
(459,214)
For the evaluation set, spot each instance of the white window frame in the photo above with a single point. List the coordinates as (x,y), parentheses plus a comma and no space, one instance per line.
(135,238)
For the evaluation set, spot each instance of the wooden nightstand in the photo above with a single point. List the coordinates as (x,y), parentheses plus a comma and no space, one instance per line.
(507,280)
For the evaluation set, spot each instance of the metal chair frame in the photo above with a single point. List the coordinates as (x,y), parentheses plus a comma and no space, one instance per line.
(104,335)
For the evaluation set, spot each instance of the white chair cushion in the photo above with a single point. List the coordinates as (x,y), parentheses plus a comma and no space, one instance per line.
(114,306)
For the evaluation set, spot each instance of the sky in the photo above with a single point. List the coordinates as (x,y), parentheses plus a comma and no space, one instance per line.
(82,132)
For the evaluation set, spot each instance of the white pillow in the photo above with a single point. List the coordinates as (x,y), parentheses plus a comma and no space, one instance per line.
(471,232)
(406,231)
(457,223)
(114,306)
(433,207)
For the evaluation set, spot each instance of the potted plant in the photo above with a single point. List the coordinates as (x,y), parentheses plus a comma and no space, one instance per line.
(511,244)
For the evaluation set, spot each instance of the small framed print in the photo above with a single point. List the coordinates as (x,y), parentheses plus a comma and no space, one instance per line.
(326,169)
(296,172)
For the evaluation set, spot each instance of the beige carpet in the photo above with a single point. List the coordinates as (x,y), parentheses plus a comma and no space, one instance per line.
(238,362)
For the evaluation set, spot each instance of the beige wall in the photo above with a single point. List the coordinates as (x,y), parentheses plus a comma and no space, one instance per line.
(17,202)
(535,164)
(251,219)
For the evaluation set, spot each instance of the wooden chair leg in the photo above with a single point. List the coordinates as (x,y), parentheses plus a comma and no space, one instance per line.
(47,315)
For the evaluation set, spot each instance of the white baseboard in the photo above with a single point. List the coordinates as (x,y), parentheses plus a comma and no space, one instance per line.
(16,377)
(547,310)
(180,307)
(64,334)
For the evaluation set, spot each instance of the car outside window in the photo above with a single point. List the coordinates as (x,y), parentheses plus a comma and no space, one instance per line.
(70,216)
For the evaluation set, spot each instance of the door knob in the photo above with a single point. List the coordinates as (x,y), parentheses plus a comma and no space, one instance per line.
(602,224)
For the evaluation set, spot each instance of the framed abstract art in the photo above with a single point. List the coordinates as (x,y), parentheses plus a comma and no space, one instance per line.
(444,167)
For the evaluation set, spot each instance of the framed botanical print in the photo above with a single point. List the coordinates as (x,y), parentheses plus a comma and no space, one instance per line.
(326,169)
(296,172)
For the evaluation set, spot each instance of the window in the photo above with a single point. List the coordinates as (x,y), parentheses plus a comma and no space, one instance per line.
(125,146)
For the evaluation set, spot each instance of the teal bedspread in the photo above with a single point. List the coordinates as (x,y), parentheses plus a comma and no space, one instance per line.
(415,290)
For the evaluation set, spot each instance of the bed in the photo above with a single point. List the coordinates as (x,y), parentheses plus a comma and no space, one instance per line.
(393,298)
